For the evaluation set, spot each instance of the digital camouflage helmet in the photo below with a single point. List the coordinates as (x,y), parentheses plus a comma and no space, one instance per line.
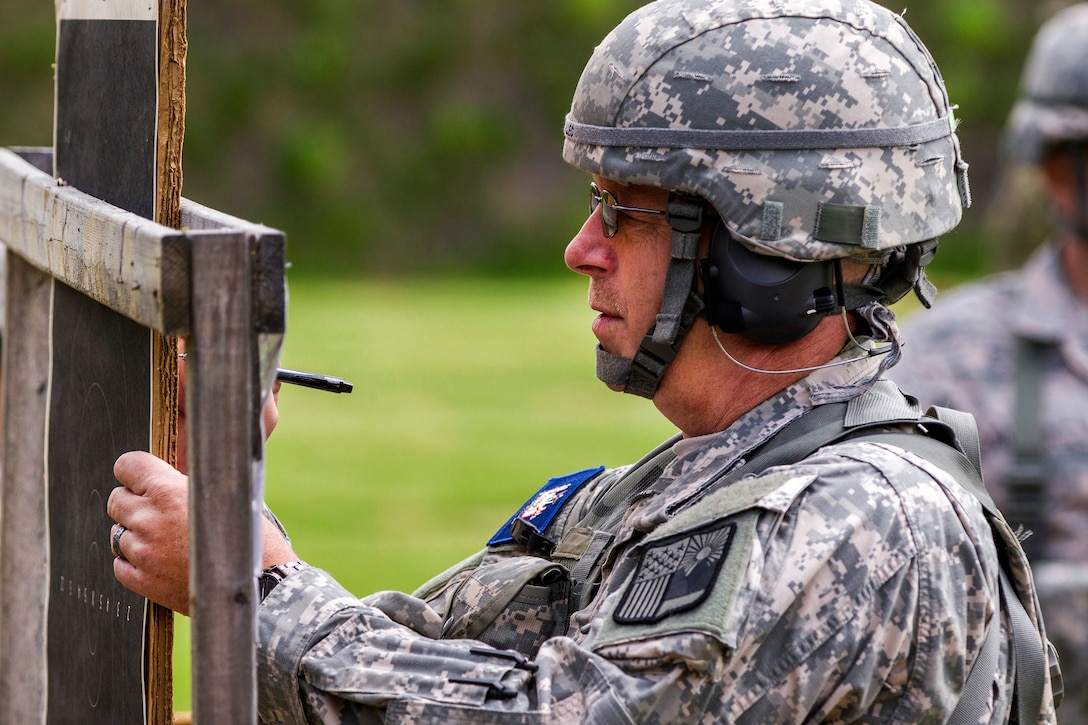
(1051,113)
(1053,104)
(817,129)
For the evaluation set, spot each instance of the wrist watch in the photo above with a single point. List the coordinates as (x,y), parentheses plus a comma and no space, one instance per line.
(273,575)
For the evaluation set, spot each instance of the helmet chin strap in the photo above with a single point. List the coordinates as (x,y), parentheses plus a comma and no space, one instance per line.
(642,374)
(680,305)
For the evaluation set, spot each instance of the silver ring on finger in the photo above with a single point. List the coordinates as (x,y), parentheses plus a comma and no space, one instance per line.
(115,542)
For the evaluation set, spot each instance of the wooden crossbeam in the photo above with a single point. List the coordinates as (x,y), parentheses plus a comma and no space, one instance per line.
(120,259)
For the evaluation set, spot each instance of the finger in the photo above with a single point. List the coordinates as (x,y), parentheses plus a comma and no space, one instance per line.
(138,470)
(175,597)
(118,504)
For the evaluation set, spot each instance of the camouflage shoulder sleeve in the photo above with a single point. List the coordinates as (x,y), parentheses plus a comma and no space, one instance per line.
(286,626)
(324,656)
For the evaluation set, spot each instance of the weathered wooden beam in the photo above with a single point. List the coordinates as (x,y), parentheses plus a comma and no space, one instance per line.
(130,264)
(223,360)
(24,555)
(125,262)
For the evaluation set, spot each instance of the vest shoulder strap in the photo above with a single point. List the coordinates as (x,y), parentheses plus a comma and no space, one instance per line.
(1028,474)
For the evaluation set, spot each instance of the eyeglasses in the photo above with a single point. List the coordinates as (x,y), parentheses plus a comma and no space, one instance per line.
(610,220)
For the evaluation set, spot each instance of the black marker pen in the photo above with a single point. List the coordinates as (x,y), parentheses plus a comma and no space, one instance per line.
(313,380)
(309,380)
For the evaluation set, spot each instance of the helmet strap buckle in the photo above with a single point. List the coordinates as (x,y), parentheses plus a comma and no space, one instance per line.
(685,214)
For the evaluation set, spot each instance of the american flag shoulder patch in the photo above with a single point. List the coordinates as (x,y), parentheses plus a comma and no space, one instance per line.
(675,574)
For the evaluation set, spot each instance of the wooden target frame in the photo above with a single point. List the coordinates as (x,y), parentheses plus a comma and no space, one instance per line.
(219,284)
(106,267)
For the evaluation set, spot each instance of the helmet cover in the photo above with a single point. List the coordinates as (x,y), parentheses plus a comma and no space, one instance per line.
(818,129)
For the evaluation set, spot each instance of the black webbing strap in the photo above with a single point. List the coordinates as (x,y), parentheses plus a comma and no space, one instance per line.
(680,302)
(613,504)
(596,530)
(980,678)
(645,371)
(965,439)
(848,224)
(796,440)
(1026,480)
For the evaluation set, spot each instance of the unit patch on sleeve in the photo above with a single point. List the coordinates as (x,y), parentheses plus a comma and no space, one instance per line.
(675,574)
(545,503)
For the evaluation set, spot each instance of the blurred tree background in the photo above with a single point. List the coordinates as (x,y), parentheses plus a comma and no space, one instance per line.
(423,136)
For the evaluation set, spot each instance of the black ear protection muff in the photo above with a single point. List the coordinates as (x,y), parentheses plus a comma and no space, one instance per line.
(767,299)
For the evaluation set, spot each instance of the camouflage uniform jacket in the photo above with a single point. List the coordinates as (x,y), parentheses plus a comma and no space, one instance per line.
(853,586)
(943,366)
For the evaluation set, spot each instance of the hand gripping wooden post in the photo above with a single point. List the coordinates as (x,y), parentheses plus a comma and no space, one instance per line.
(96,293)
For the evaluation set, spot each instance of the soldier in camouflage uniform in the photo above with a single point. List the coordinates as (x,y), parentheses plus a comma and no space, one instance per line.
(1023,372)
(767,178)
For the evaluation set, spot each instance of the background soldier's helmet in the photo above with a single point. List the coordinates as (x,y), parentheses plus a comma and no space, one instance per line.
(818,129)
(1053,103)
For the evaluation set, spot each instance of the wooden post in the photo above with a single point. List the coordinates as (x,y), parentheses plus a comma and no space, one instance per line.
(23,554)
(170,134)
(222,354)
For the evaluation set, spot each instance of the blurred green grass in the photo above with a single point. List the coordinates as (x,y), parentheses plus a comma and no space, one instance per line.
(469,393)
